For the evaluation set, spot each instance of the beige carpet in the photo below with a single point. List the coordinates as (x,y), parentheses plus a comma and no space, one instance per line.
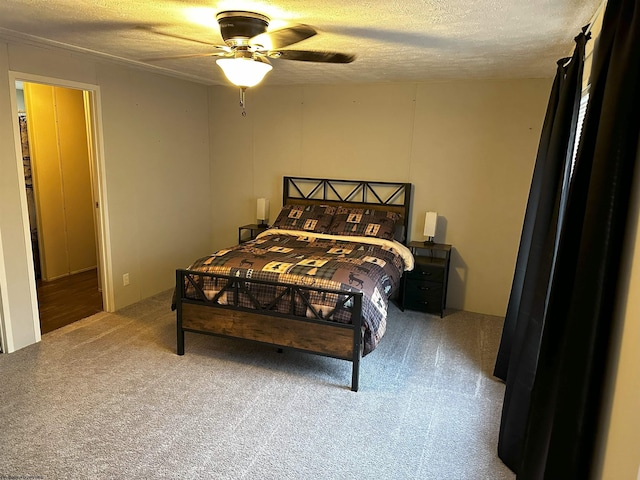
(108,398)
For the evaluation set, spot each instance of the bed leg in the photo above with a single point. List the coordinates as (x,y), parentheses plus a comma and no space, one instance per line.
(355,374)
(179,293)
(180,341)
(179,331)
(357,341)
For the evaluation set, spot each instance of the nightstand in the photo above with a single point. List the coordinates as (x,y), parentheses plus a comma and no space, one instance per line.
(425,287)
(253,230)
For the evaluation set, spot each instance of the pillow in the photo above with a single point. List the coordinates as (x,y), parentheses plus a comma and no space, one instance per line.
(366,222)
(309,218)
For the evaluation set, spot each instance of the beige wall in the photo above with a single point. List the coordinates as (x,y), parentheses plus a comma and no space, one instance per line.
(156,177)
(62,179)
(468,148)
(157,170)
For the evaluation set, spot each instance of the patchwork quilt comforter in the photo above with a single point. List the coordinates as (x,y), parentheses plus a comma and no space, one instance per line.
(370,265)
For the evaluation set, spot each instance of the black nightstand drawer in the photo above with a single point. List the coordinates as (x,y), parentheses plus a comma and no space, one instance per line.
(415,289)
(432,304)
(430,271)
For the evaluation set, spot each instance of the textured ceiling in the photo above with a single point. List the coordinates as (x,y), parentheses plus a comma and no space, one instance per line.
(394,40)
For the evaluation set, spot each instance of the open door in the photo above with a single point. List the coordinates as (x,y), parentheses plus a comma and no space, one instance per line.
(59,175)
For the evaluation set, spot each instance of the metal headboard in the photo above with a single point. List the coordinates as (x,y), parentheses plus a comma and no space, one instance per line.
(393,196)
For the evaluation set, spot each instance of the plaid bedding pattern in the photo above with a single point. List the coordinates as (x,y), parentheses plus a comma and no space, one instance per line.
(311,262)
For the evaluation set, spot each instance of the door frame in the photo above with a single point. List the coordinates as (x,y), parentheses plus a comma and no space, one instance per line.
(96,150)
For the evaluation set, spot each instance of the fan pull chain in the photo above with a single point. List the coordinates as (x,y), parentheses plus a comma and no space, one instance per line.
(242,90)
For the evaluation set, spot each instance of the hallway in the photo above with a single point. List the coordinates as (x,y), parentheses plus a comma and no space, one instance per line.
(68,299)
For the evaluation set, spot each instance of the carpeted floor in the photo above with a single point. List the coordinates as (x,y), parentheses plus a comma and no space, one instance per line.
(108,398)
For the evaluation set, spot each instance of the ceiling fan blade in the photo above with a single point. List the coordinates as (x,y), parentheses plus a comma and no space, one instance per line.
(179,37)
(283,37)
(188,55)
(313,56)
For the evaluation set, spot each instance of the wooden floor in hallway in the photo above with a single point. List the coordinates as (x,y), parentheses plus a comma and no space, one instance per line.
(68,299)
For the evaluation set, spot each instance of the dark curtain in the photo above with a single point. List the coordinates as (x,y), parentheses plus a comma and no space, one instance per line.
(546,165)
(518,353)
(565,404)
(566,400)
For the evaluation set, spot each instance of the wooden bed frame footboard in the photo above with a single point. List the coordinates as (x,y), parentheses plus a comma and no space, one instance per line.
(265,325)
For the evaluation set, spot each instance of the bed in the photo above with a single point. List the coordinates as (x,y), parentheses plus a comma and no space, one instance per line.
(319,280)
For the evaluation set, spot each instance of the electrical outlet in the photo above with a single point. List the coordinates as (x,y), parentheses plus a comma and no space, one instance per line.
(125,279)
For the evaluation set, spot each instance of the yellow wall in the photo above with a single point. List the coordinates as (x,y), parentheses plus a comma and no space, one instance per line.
(62,179)
(467,146)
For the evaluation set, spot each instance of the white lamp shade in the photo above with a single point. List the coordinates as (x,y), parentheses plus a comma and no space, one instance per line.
(244,72)
(430,221)
(263,209)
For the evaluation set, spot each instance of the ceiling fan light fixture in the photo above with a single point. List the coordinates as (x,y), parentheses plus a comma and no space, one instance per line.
(244,72)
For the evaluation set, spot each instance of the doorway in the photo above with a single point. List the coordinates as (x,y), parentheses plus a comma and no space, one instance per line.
(62,201)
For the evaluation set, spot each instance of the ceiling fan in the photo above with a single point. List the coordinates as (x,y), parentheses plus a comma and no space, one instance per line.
(249,46)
